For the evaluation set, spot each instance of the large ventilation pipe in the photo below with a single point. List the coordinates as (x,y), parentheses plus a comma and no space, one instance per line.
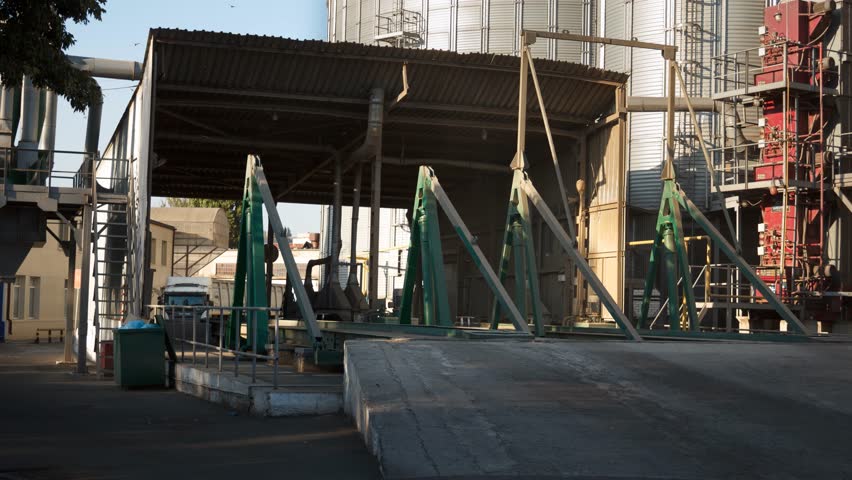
(93,126)
(106,68)
(659,104)
(27,154)
(48,128)
(7,107)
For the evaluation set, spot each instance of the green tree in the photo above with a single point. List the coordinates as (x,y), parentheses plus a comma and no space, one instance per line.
(233,208)
(33,40)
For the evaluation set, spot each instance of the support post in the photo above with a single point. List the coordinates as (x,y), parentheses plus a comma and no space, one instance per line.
(336,213)
(70,247)
(376,97)
(83,298)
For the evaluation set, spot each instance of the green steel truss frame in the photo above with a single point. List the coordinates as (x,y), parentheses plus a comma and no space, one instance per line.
(249,280)
(518,240)
(669,244)
(426,260)
(569,245)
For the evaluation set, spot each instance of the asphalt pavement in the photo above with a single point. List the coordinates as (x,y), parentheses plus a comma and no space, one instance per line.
(55,425)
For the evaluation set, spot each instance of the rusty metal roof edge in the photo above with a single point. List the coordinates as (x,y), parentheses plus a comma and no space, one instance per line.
(274,44)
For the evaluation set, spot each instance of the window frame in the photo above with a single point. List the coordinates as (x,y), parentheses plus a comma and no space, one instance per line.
(33,298)
(18,292)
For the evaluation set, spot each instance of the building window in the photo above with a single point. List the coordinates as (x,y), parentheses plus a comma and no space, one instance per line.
(35,288)
(18,297)
(153,251)
(163,250)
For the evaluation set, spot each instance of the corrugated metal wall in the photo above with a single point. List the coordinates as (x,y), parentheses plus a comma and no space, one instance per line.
(469,25)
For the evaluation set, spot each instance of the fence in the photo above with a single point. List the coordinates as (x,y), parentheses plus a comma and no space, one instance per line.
(175,319)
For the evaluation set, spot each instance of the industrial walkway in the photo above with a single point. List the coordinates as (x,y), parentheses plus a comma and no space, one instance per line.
(57,426)
(603,410)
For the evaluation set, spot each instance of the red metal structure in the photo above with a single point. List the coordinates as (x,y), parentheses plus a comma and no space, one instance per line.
(794,158)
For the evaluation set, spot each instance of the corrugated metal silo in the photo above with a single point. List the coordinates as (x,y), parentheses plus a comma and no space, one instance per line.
(488,26)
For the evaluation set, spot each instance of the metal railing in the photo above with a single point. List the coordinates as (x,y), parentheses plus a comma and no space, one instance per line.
(175,319)
(401,28)
(112,174)
(748,71)
(40,171)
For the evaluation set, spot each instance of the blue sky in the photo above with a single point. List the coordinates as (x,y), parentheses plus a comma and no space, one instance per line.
(123,30)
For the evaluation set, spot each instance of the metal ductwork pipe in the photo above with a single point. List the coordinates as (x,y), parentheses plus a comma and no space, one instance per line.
(106,68)
(93,126)
(7,107)
(48,128)
(659,104)
(27,154)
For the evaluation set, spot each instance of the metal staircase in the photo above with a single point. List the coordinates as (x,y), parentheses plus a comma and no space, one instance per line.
(111,271)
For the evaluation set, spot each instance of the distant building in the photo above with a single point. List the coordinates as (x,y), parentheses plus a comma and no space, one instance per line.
(394,238)
(37,296)
(225,265)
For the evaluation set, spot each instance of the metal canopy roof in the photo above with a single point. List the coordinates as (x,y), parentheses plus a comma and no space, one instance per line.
(220,96)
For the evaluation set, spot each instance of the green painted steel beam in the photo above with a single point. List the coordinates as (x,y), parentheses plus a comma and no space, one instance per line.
(649,334)
(303,303)
(569,245)
(745,269)
(470,243)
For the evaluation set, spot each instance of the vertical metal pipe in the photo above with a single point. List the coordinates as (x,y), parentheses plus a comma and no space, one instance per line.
(194,336)
(48,129)
(71,250)
(519,162)
(93,126)
(336,213)
(7,106)
(270,268)
(353,245)
(27,155)
(83,312)
(374,135)
(668,169)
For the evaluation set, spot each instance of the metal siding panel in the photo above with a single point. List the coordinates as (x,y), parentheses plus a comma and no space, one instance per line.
(569,16)
(742,20)
(535,17)
(502,27)
(353,21)
(603,184)
(469,26)
(616,27)
(438,34)
(368,21)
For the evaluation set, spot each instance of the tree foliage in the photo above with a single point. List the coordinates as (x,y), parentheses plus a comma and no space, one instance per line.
(233,208)
(33,40)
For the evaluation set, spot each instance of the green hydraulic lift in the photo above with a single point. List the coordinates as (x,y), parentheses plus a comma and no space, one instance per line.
(426,259)
(249,280)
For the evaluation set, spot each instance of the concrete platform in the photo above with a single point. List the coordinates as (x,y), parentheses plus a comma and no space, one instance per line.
(603,410)
(296,394)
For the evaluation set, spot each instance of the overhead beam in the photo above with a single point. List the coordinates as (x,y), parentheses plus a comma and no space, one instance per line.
(476,124)
(192,122)
(244,142)
(668,51)
(261,107)
(407,105)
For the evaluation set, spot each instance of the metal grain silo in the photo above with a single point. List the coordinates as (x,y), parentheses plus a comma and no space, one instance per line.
(701,29)
(485,26)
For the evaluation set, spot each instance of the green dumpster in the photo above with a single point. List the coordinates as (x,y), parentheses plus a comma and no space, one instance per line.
(139,357)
